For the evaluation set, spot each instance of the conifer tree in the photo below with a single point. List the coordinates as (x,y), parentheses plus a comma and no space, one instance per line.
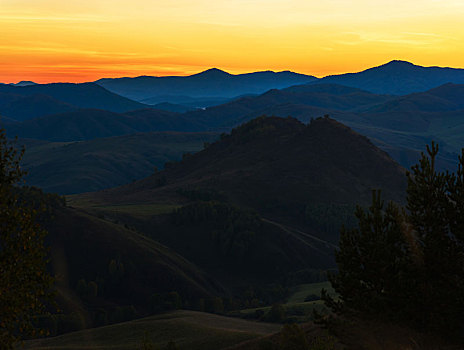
(434,204)
(24,281)
(374,261)
(408,264)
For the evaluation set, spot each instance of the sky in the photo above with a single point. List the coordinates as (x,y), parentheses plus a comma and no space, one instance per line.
(84,40)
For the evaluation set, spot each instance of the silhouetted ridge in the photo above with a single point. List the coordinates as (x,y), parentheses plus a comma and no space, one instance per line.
(210,83)
(85,95)
(398,63)
(212,73)
(398,77)
(24,83)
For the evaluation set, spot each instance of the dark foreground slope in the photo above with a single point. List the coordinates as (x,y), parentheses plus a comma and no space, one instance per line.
(83,246)
(190,330)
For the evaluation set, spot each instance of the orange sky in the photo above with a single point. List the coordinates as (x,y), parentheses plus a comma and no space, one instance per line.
(70,40)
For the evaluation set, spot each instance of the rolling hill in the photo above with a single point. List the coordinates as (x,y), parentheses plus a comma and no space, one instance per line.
(86,124)
(19,107)
(321,97)
(85,95)
(84,166)
(82,247)
(281,159)
(191,331)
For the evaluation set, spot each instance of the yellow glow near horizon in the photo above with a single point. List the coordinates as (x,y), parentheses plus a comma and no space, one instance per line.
(51,40)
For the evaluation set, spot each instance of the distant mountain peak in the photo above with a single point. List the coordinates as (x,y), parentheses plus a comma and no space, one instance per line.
(24,83)
(398,63)
(213,72)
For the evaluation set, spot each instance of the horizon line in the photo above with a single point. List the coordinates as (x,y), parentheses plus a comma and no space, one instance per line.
(227,72)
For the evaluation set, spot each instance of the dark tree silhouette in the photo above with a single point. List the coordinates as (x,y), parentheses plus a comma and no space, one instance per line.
(25,284)
(408,264)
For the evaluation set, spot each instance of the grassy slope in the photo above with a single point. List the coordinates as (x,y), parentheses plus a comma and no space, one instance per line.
(190,330)
(73,167)
(82,246)
(296,303)
(272,253)
(300,292)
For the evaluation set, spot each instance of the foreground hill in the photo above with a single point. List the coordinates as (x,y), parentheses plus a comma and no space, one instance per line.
(283,160)
(267,200)
(92,165)
(210,83)
(59,97)
(398,78)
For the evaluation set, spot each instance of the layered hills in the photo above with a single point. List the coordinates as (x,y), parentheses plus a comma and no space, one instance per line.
(400,125)
(395,77)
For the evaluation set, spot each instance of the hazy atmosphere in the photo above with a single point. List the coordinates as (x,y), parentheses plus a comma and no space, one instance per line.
(76,41)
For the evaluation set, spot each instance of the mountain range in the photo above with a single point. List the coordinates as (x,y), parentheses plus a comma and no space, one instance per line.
(400,125)
(398,78)
(395,78)
(210,83)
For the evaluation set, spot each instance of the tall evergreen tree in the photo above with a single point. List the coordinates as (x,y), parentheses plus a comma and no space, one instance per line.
(374,262)
(408,264)
(24,282)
